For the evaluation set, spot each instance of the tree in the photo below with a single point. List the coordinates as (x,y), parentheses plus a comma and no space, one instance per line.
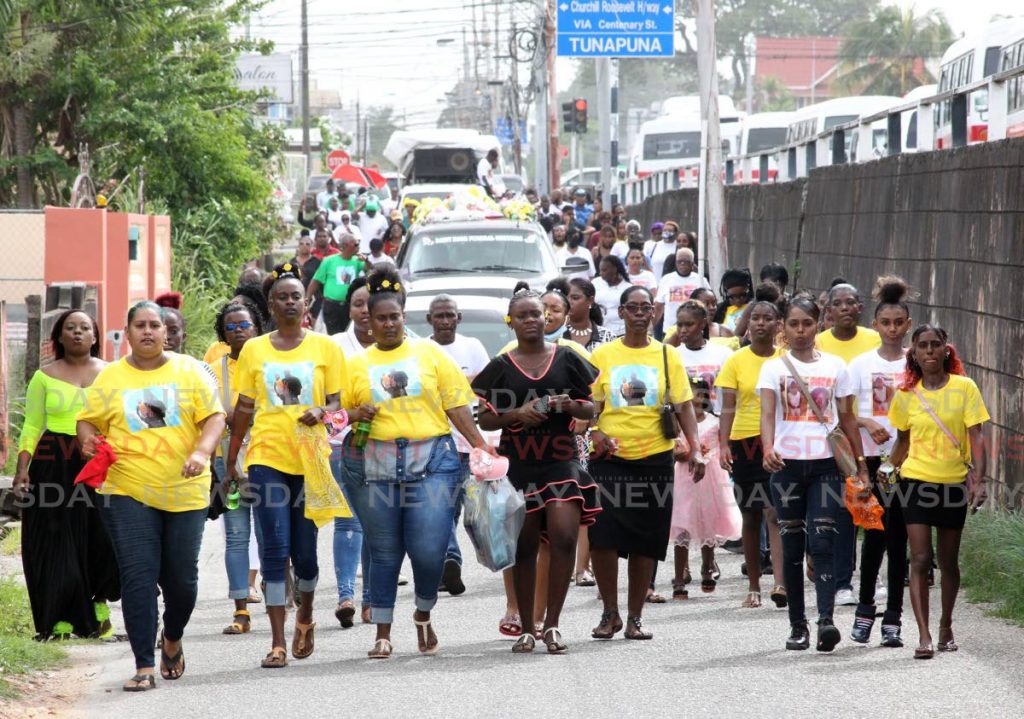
(380,124)
(773,95)
(885,54)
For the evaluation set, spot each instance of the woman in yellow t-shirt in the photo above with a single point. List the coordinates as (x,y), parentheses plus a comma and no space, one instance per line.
(938,414)
(403,483)
(161,415)
(739,434)
(288,377)
(632,460)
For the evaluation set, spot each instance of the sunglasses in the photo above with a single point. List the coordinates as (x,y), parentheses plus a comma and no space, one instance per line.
(243,325)
(638,309)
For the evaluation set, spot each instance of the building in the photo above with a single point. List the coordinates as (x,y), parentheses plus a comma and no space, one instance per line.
(805,66)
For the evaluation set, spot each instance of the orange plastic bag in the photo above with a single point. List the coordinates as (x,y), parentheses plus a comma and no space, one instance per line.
(866,513)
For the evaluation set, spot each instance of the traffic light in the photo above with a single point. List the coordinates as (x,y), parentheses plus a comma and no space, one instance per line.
(580,115)
(568,117)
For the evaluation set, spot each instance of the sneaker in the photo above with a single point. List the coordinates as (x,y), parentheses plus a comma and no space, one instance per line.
(451,578)
(881,593)
(891,636)
(862,624)
(845,598)
(828,635)
(799,637)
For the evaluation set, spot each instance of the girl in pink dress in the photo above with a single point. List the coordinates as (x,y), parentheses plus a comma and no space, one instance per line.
(704,513)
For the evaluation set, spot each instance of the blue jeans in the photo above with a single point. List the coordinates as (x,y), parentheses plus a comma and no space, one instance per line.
(349,547)
(453,551)
(154,548)
(280,505)
(400,518)
(807,494)
(237,532)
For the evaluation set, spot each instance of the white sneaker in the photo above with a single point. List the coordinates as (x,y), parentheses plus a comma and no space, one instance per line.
(845,598)
(881,594)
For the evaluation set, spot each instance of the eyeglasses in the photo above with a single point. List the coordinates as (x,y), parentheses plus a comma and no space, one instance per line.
(638,309)
(232,326)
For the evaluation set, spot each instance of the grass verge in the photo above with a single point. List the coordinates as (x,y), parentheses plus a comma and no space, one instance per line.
(19,653)
(10,545)
(992,562)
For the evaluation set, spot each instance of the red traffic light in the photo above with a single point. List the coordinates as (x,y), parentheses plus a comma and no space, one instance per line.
(581,105)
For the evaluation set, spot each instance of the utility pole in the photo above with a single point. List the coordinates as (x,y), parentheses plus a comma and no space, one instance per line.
(541,147)
(549,46)
(304,78)
(711,227)
(359,126)
(604,134)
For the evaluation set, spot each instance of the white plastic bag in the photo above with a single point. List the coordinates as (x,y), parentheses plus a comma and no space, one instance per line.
(494,513)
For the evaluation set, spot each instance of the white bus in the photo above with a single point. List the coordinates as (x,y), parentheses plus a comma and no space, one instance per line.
(673,141)
(1013,57)
(810,121)
(761,132)
(968,60)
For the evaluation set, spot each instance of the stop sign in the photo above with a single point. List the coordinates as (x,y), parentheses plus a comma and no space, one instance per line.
(337,158)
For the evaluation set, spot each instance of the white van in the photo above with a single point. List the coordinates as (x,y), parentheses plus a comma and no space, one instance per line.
(673,141)
(761,132)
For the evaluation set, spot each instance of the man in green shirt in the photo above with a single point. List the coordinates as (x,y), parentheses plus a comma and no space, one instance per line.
(333,278)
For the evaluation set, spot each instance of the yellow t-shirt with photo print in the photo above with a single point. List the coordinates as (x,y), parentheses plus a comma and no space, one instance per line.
(865,340)
(284,385)
(411,385)
(632,387)
(151,419)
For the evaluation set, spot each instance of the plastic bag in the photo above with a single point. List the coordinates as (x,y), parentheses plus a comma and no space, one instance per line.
(866,513)
(324,499)
(494,513)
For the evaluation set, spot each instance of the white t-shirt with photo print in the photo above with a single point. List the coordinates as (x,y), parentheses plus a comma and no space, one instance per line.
(798,433)
(674,290)
(705,364)
(874,381)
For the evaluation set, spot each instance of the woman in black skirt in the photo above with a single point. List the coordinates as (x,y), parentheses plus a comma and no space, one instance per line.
(632,459)
(70,570)
(532,393)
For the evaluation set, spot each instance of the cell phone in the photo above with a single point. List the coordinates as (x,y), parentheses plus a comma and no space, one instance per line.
(543,404)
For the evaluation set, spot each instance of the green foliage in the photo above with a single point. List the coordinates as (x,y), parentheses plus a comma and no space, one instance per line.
(15,404)
(885,54)
(10,545)
(19,653)
(773,96)
(992,562)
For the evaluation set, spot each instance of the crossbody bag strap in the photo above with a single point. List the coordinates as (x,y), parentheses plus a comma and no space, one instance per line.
(668,384)
(804,391)
(931,413)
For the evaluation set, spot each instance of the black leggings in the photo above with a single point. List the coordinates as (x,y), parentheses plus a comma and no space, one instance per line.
(891,541)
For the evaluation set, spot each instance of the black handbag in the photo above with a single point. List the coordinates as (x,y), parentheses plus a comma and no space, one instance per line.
(669,421)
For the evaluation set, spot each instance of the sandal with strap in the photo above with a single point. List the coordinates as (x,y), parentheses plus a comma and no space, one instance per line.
(634,629)
(143,683)
(238,627)
(510,625)
(753,601)
(679,590)
(423,632)
(780,597)
(276,659)
(168,663)
(949,645)
(585,579)
(554,644)
(611,624)
(654,598)
(303,642)
(524,645)
(707,580)
(382,649)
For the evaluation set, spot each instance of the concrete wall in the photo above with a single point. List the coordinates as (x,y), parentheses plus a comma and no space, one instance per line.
(951,223)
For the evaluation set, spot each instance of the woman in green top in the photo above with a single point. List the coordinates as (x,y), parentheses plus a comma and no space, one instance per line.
(70,570)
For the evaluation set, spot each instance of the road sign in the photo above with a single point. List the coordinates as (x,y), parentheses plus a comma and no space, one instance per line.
(616,28)
(337,158)
(503,131)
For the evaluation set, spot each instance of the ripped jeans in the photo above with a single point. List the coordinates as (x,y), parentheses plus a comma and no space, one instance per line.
(807,495)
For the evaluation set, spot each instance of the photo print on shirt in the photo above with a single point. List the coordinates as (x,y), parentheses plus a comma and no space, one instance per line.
(151,408)
(634,385)
(398,379)
(883,388)
(289,383)
(794,405)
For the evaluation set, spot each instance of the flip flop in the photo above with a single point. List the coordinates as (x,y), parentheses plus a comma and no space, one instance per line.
(382,649)
(303,640)
(510,625)
(143,683)
(167,663)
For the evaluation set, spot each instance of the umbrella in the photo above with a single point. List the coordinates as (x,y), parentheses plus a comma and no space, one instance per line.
(359,175)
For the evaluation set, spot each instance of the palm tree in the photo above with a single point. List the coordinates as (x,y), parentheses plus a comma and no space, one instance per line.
(886,53)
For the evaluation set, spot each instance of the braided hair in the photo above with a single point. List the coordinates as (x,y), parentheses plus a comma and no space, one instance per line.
(698,310)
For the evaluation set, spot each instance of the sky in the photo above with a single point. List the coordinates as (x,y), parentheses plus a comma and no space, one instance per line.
(386,52)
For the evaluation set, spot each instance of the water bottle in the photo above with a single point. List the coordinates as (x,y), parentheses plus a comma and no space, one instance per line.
(233,496)
(360,434)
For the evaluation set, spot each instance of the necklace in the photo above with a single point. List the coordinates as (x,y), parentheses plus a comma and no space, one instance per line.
(580,333)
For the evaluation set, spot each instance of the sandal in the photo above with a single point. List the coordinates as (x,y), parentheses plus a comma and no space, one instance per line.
(585,579)
(345,614)
(635,629)
(654,598)
(303,642)
(423,632)
(510,625)
(779,596)
(611,624)
(239,627)
(679,590)
(253,597)
(143,683)
(949,645)
(381,649)
(924,652)
(555,644)
(707,580)
(524,645)
(277,659)
(753,601)
(168,663)
(716,571)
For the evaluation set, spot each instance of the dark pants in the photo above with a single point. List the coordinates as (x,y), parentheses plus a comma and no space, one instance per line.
(807,495)
(891,541)
(335,316)
(154,547)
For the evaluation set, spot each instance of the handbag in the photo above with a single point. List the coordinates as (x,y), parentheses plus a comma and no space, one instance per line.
(669,421)
(945,430)
(842,450)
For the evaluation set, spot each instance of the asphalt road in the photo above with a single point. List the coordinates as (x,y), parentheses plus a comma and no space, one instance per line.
(708,657)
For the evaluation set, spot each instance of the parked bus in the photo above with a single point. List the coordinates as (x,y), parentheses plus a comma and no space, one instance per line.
(673,141)
(1013,58)
(810,121)
(761,132)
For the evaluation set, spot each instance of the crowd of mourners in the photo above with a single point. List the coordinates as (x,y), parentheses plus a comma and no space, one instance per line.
(639,407)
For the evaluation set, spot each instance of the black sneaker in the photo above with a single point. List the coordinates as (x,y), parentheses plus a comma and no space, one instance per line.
(862,624)
(451,578)
(828,635)
(891,636)
(799,637)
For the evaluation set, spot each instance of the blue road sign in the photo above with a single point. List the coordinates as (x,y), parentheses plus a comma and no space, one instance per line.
(503,131)
(616,28)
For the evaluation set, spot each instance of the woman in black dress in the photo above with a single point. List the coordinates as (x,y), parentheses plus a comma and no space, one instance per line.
(532,393)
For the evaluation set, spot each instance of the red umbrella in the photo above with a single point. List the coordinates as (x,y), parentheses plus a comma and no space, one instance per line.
(358,175)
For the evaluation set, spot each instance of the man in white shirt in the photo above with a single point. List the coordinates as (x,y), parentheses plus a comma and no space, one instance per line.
(575,254)
(324,195)
(675,288)
(471,357)
(371,224)
(487,176)
(661,245)
(347,227)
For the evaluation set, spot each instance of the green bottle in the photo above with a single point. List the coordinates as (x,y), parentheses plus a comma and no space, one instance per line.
(231,501)
(360,434)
